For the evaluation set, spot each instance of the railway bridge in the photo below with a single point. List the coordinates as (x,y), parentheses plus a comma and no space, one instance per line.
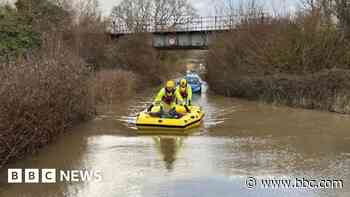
(191,33)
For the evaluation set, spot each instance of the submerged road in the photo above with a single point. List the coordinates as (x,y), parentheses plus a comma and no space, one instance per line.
(238,139)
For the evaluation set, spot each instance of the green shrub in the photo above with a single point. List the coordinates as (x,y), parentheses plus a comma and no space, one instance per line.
(16,35)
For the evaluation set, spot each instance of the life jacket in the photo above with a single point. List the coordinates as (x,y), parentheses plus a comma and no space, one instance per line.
(184,94)
(168,99)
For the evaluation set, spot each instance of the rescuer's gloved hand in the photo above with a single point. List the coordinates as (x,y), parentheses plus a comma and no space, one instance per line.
(187,109)
(150,107)
(156,109)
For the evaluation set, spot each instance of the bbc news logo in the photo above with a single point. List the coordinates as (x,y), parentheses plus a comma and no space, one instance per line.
(52,176)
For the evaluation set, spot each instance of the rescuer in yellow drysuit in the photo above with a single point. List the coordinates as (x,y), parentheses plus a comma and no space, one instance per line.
(165,101)
(185,91)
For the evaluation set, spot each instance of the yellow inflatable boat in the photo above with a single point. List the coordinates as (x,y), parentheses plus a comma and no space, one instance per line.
(146,121)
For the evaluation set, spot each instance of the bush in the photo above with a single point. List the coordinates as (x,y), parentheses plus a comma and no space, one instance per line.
(16,34)
(297,63)
(47,85)
(327,90)
(113,85)
(40,98)
(136,53)
(281,47)
(172,63)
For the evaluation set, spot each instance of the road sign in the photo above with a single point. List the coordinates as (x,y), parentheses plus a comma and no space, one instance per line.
(172,41)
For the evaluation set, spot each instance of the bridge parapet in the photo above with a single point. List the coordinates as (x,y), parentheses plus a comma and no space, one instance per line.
(190,24)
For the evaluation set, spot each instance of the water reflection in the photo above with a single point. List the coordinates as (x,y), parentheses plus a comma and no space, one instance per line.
(168,147)
(238,139)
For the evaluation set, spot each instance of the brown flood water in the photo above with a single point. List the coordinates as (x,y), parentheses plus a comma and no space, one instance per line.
(238,139)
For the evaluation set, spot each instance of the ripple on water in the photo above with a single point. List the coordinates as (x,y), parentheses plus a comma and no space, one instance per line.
(238,139)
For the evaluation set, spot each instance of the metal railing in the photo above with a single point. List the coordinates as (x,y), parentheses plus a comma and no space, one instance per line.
(213,23)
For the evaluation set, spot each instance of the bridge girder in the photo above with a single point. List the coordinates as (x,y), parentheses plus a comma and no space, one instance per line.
(181,40)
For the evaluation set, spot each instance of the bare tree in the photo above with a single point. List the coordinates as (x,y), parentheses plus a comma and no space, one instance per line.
(5,2)
(330,9)
(308,4)
(89,16)
(241,7)
(242,11)
(138,15)
(322,8)
(342,8)
(172,12)
(133,14)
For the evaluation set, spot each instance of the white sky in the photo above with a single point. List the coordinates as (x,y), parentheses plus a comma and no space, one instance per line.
(206,7)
